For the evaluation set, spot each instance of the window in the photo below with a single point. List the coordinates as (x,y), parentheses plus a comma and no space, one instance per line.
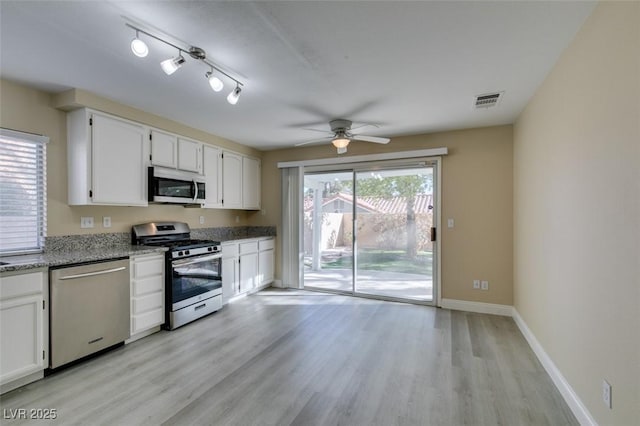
(23,192)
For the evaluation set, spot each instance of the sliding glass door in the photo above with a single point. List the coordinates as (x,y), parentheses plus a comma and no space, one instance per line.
(393,221)
(369,231)
(328,246)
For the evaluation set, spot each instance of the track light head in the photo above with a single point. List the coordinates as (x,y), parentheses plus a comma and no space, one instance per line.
(215,83)
(234,95)
(169,66)
(139,47)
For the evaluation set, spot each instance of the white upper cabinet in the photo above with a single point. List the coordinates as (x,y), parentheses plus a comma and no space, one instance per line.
(213,176)
(164,149)
(231,180)
(189,155)
(106,158)
(251,183)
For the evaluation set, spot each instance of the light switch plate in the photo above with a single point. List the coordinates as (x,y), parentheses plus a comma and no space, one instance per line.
(484,285)
(106,221)
(476,284)
(450,223)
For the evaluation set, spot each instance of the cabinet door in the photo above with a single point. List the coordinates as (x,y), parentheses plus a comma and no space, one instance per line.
(231,180)
(21,338)
(251,183)
(265,267)
(229,278)
(118,158)
(164,149)
(213,176)
(248,271)
(189,155)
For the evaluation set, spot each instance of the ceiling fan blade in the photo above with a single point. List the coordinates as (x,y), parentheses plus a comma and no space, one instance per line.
(374,139)
(362,126)
(316,130)
(327,139)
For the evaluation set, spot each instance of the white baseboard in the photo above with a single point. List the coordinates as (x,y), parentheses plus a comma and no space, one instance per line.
(571,398)
(479,307)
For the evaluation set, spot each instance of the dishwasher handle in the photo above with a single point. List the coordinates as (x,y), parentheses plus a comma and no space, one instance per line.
(91,274)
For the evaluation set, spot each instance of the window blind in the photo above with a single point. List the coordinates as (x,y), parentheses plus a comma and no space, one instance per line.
(23,192)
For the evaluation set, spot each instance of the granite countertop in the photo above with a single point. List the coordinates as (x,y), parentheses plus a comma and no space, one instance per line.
(241,238)
(73,249)
(69,257)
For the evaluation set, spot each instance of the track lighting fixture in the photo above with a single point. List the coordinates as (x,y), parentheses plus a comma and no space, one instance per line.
(215,83)
(139,47)
(234,95)
(171,65)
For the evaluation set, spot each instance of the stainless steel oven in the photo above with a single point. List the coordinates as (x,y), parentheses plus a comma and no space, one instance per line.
(195,283)
(193,270)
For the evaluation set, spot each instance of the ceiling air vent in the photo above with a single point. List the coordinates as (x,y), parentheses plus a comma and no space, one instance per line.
(488,100)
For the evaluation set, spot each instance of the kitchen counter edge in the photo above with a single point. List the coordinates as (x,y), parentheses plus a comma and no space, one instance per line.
(49,259)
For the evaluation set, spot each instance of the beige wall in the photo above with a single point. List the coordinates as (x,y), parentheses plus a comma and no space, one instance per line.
(26,109)
(477,193)
(577,213)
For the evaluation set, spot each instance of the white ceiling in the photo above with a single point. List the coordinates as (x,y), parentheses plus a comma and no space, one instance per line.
(411,67)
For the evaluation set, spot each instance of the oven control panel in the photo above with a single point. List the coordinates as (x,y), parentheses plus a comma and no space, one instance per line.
(176,253)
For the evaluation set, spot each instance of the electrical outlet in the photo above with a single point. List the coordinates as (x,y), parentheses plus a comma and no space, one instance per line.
(606,393)
(450,223)
(106,221)
(86,222)
(237,219)
(484,285)
(476,284)
(201,220)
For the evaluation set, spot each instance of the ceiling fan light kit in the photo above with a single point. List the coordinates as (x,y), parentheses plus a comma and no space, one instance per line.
(171,65)
(341,135)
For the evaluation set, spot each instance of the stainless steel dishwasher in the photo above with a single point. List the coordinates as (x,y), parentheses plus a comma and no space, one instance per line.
(89,309)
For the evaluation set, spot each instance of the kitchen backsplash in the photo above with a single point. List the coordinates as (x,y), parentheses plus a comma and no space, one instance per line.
(109,240)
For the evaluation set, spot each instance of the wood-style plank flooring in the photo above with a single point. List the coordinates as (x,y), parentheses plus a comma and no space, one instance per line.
(303,358)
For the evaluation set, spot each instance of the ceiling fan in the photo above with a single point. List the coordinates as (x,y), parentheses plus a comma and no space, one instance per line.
(341,134)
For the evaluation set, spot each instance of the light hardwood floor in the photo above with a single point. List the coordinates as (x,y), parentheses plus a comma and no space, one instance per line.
(304,358)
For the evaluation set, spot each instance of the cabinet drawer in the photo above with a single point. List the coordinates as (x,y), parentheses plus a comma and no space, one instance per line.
(148,285)
(230,250)
(147,267)
(146,321)
(147,303)
(266,244)
(249,247)
(21,285)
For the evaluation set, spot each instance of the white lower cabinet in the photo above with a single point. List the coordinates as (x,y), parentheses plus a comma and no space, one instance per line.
(266,261)
(147,294)
(242,271)
(24,337)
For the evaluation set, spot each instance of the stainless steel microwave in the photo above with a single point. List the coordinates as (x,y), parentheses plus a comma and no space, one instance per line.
(173,186)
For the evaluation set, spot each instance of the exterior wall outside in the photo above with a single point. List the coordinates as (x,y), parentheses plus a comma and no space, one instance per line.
(577,213)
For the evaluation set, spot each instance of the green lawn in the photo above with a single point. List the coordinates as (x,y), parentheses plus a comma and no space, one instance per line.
(383,260)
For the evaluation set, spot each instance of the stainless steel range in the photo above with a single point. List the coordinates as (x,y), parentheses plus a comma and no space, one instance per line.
(193,270)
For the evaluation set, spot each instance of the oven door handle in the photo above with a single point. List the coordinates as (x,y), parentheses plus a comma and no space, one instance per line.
(194,260)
